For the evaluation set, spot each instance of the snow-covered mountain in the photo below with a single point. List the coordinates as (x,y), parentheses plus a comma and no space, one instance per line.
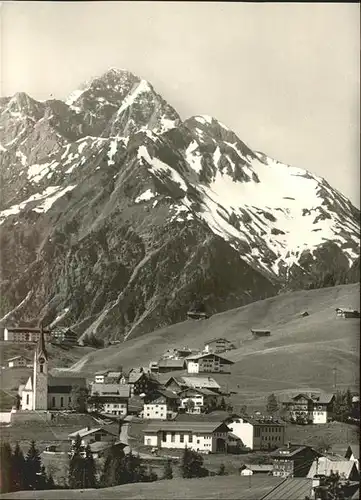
(115,214)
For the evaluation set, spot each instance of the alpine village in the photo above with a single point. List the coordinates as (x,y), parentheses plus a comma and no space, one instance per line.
(179,317)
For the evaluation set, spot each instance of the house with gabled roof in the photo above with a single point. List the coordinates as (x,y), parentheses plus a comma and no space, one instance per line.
(218,345)
(113,397)
(99,440)
(327,465)
(208,362)
(17,361)
(170,365)
(293,460)
(160,404)
(204,436)
(195,401)
(315,408)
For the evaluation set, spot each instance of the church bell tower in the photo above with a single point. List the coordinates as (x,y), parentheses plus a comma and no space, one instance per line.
(40,388)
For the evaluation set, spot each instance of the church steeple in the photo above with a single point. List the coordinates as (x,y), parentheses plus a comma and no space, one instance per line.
(40,348)
(40,386)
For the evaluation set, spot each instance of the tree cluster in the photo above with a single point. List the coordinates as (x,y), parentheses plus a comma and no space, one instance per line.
(272,404)
(19,473)
(192,465)
(343,409)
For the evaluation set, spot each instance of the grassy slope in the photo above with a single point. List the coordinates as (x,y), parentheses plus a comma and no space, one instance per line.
(229,487)
(299,354)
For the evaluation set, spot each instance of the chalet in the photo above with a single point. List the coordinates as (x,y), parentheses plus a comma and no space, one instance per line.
(170,365)
(315,408)
(343,312)
(327,465)
(257,433)
(108,377)
(141,382)
(260,333)
(293,460)
(17,361)
(195,400)
(211,363)
(24,334)
(113,397)
(99,439)
(251,469)
(160,404)
(63,336)
(218,345)
(208,437)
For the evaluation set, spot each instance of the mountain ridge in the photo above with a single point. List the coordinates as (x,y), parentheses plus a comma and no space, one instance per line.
(121,213)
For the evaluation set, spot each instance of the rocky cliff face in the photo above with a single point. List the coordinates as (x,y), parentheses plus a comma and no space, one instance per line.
(115,214)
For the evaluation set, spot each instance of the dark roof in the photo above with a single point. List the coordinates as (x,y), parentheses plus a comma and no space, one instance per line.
(260,330)
(319,397)
(120,390)
(184,426)
(71,382)
(259,421)
(295,488)
(219,339)
(34,329)
(171,363)
(16,357)
(209,355)
(258,467)
(291,451)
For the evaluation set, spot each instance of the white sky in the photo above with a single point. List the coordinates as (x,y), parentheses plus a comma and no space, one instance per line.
(284,77)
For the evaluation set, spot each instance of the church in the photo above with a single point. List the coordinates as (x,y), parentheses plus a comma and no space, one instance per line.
(43,391)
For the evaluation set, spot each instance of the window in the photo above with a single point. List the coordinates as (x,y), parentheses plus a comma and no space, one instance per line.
(53,401)
(27,399)
(257,432)
(69,400)
(61,401)
(172,437)
(98,437)
(181,437)
(198,441)
(41,368)
(164,436)
(190,438)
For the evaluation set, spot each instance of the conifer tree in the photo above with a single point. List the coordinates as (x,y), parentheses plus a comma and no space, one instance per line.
(18,469)
(272,404)
(192,464)
(168,471)
(114,468)
(222,470)
(33,467)
(5,467)
(76,466)
(50,485)
(89,469)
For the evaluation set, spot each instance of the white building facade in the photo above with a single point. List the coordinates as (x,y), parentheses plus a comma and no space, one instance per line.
(208,437)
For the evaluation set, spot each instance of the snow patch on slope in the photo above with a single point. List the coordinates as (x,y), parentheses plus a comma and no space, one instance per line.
(157,166)
(147,195)
(141,88)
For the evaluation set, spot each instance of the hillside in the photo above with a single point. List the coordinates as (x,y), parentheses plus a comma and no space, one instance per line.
(300,353)
(117,214)
(227,487)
